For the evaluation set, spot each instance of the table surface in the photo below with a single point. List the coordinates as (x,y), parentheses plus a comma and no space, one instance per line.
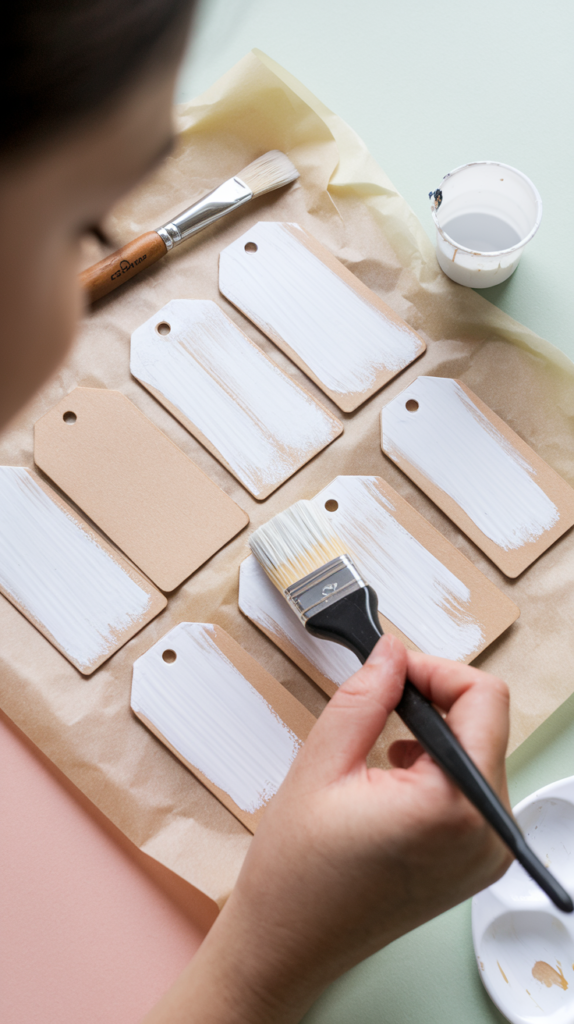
(93,929)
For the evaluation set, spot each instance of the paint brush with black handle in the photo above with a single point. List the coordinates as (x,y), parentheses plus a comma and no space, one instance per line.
(307,562)
(267,173)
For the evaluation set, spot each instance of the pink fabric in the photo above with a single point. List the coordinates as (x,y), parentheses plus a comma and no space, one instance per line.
(91,929)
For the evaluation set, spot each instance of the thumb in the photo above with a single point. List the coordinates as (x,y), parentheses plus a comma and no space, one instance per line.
(354,718)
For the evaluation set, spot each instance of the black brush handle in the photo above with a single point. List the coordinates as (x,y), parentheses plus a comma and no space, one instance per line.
(353,621)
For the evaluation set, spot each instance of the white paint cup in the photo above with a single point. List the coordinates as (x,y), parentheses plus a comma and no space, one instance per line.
(485,213)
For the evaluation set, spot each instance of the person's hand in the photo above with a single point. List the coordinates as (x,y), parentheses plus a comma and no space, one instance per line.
(347,858)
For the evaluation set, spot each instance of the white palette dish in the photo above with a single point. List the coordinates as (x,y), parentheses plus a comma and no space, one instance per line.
(524,946)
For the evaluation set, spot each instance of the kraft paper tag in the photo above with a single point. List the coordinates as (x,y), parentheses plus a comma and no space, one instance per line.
(477,470)
(339,332)
(230,722)
(235,400)
(135,484)
(80,593)
(430,596)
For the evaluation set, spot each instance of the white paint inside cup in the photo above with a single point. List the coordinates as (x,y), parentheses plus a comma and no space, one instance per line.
(482,232)
(488,213)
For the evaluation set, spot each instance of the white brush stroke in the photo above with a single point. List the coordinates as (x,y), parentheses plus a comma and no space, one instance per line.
(458,449)
(60,574)
(213,716)
(416,592)
(286,289)
(260,600)
(263,425)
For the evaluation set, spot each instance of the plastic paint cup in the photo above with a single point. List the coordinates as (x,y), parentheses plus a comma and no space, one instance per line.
(485,213)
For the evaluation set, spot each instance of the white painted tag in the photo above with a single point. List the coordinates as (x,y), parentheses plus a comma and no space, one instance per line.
(486,479)
(257,421)
(429,594)
(342,335)
(328,664)
(217,709)
(80,593)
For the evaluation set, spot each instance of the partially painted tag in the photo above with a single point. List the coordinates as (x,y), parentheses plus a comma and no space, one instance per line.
(135,484)
(339,332)
(231,723)
(477,470)
(430,595)
(238,403)
(80,593)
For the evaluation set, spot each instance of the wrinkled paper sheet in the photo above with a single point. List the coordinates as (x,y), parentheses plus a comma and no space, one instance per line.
(85,725)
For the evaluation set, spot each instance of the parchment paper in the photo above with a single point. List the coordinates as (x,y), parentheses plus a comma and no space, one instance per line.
(345,199)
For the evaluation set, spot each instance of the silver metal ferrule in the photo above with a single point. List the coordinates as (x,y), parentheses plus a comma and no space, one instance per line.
(216,204)
(324,587)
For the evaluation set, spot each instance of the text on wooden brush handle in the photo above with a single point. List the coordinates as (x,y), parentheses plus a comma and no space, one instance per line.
(120,266)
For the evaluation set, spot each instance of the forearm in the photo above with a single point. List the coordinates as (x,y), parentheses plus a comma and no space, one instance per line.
(348,858)
(236,978)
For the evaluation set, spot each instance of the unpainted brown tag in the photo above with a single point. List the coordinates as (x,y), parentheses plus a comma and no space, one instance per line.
(138,487)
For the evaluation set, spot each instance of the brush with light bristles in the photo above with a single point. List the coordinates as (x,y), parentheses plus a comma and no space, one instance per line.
(307,561)
(268,172)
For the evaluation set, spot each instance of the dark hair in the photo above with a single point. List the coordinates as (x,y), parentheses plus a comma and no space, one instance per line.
(65,59)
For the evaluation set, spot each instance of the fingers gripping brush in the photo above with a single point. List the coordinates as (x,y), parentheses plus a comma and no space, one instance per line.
(306,560)
(267,173)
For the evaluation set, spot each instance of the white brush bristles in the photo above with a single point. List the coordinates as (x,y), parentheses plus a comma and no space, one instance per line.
(295,543)
(270,171)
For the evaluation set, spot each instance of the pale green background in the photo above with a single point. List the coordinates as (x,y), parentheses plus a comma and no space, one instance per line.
(429,86)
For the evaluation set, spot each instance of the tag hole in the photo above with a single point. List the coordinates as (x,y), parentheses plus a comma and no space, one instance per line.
(69,417)
(169,657)
(250,247)
(412,405)
(331,505)
(163,328)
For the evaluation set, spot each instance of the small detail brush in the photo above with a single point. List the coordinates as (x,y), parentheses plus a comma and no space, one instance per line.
(306,560)
(268,172)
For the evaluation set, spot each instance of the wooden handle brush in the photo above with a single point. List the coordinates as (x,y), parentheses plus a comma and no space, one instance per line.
(307,562)
(268,172)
